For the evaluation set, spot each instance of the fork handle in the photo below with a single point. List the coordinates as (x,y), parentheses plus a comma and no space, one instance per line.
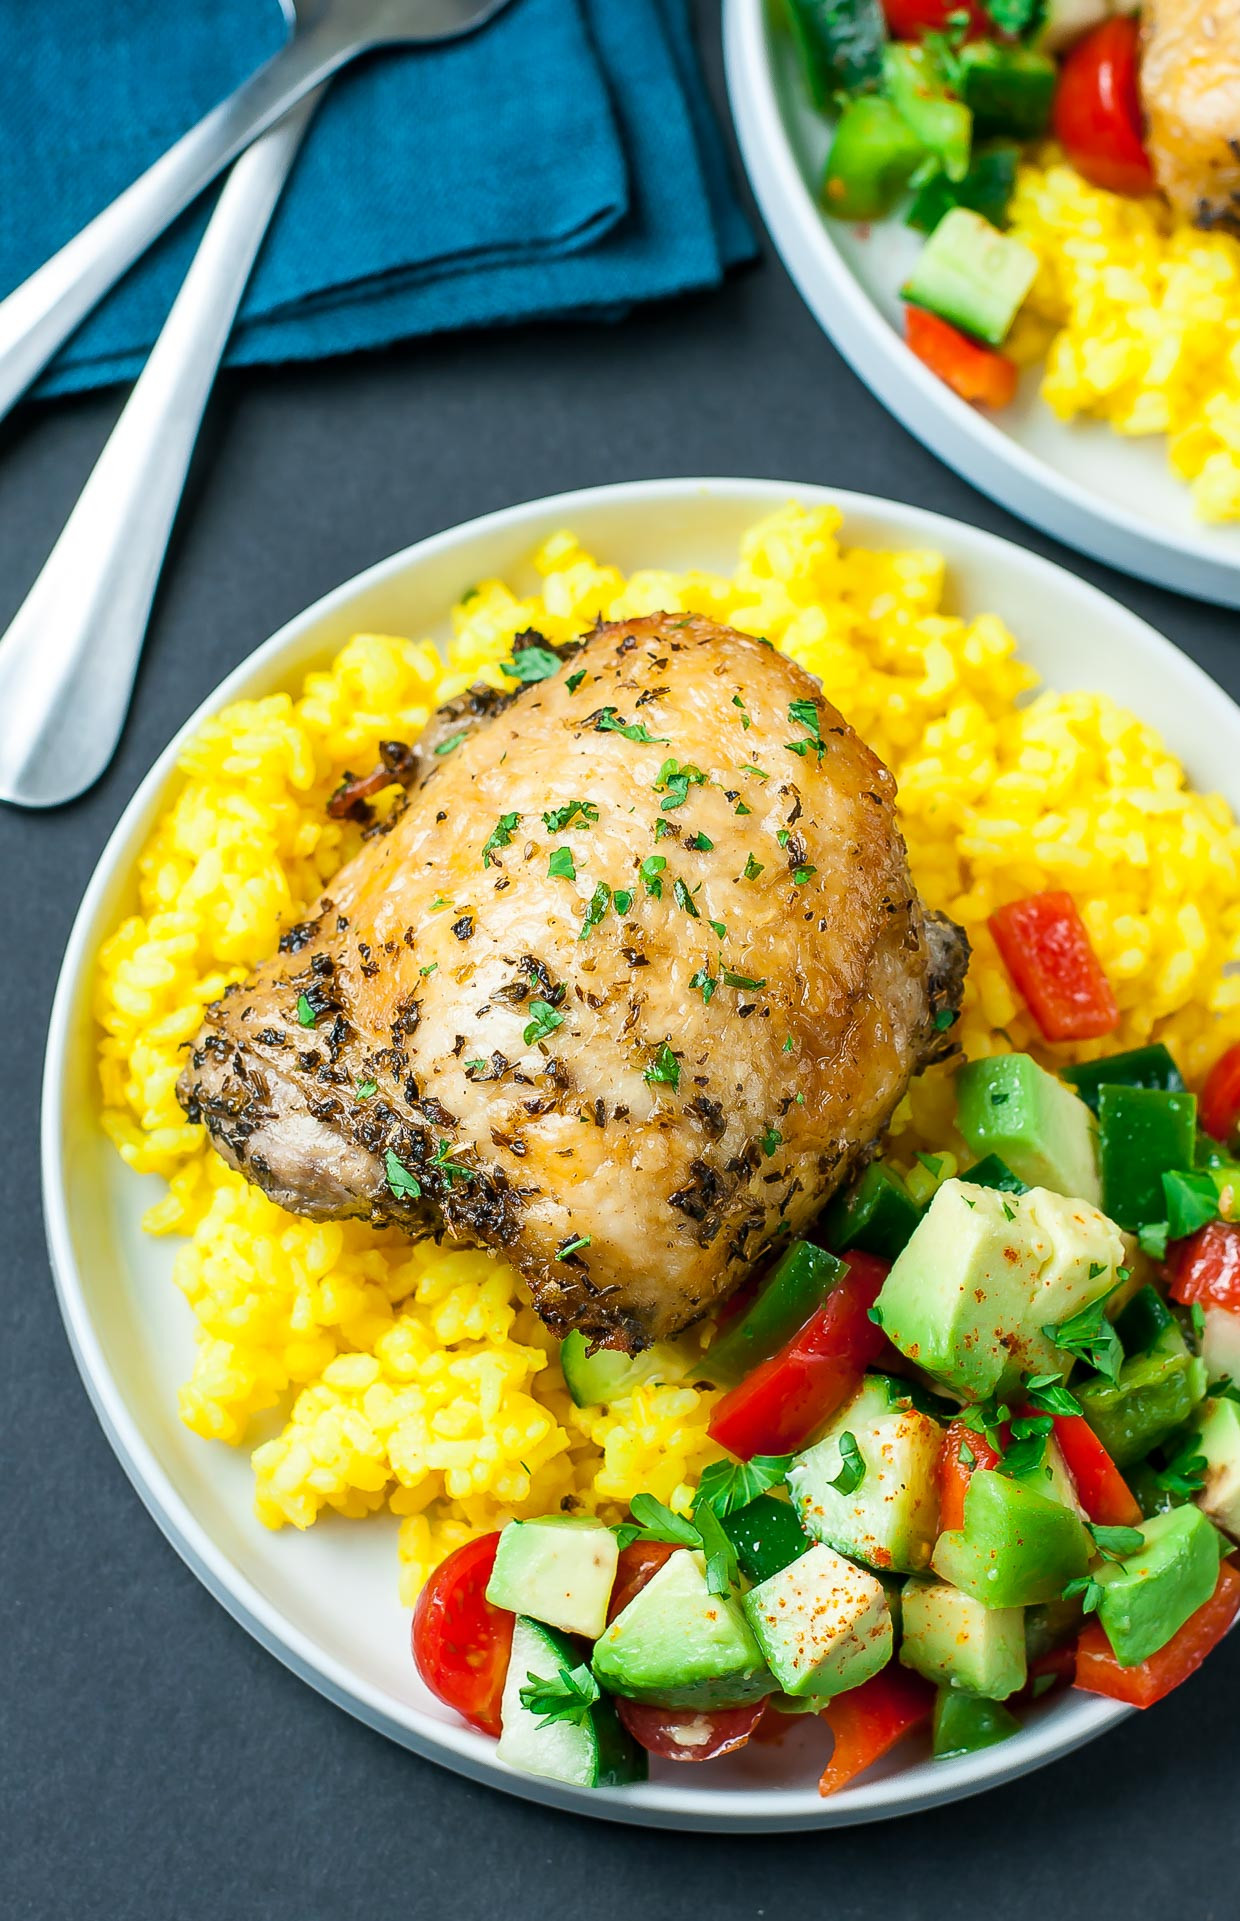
(39,316)
(68,662)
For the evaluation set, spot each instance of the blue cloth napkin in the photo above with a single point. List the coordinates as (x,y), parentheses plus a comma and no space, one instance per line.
(562,161)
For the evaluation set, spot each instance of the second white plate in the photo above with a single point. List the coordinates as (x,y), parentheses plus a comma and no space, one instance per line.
(1112,498)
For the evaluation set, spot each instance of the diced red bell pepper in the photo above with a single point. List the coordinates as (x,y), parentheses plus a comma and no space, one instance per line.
(869,1720)
(1101,1488)
(1046,950)
(1205,1267)
(777,1408)
(1098,1671)
(971,370)
(953,1473)
(1219,1110)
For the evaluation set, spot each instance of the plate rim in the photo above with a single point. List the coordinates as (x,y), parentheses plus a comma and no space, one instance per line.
(461,1749)
(971,444)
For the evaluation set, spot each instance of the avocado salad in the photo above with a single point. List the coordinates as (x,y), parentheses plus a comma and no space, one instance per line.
(978,1443)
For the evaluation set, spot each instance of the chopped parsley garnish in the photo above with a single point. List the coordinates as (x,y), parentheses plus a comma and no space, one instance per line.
(1089,1590)
(740,808)
(1113,1543)
(561,817)
(448,1167)
(650,870)
(700,843)
(675,781)
(622,900)
(569,1696)
(600,901)
(655,1522)
(1027,1448)
(801,874)
(562,866)
(572,1247)
(305,1011)
(752,868)
(430,968)
(749,768)
(804,713)
(742,980)
(1224,1389)
(771,1140)
(852,1466)
(684,898)
(1152,1240)
(787,1043)
(718,927)
(574,680)
(439,903)
(932,1163)
(399,1179)
(365,1089)
(945,1018)
(727,1485)
(1090,1337)
(531,664)
(1185,1475)
(452,742)
(611,722)
(705,983)
(1014,17)
(664,1067)
(500,836)
(1047,1393)
(746,723)
(784,836)
(722,1571)
(1192,1202)
(543,1021)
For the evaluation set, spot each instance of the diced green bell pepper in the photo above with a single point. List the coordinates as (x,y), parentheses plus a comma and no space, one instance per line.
(1150,1067)
(767,1536)
(1009,89)
(798,1284)
(1148,1596)
(873,156)
(986,189)
(839,44)
(876,1214)
(943,125)
(1143,1321)
(1050,1625)
(1154,1394)
(1148,1492)
(993,1172)
(1016,1548)
(965,1723)
(1143,1132)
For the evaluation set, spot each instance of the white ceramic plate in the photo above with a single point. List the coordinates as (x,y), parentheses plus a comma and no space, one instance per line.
(1113,498)
(325,1602)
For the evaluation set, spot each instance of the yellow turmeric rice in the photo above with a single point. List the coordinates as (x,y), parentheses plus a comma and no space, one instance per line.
(376,1374)
(1138,313)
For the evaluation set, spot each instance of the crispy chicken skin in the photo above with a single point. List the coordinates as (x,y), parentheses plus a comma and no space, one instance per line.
(1190,88)
(636,1077)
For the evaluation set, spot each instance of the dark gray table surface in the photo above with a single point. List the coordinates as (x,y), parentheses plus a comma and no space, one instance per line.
(154,1761)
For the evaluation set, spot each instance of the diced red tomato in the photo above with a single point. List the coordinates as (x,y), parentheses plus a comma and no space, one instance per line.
(953,1473)
(1097,112)
(1101,1488)
(1219,1108)
(869,1720)
(786,1399)
(971,370)
(910,19)
(680,1734)
(1046,950)
(1098,1671)
(1205,1267)
(461,1641)
(638,1563)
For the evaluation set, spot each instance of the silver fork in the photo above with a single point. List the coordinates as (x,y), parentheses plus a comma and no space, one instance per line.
(41,314)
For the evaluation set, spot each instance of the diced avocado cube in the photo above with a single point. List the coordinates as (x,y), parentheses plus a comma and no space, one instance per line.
(888,1517)
(1149,1066)
(1154,1394)
(877,1214)
(766,1535)
(1010,1106)
(1143,1134)
(823,1624)
(559,1570)
(1016,1548)
(956,1641)
(681,1646)
(589,1750)
(973,275)
(985,1272)
(964,1724)
(1216,1436)
(1148,1596)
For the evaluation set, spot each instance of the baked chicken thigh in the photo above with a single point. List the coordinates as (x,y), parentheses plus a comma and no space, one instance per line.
(627,986)
(1190,88)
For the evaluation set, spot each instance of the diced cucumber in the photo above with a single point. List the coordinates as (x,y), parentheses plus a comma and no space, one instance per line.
(1010,1106)
(559,1570)
(955,1641)
(973,275)
(888,1517)
(1008,89)
(767,1536)
(593,1380)
(823,1624)
(593,1751)
(877,1214)
(943,125)
(840,45)
(681,1646)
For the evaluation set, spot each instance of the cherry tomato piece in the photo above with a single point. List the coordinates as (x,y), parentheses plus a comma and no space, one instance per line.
(461,1641)
(1097,111)
(953,1472)
(680,1734)
(1205,1267)
(1219,1111)
(1098,1671)
(638,1563)
(910,19)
